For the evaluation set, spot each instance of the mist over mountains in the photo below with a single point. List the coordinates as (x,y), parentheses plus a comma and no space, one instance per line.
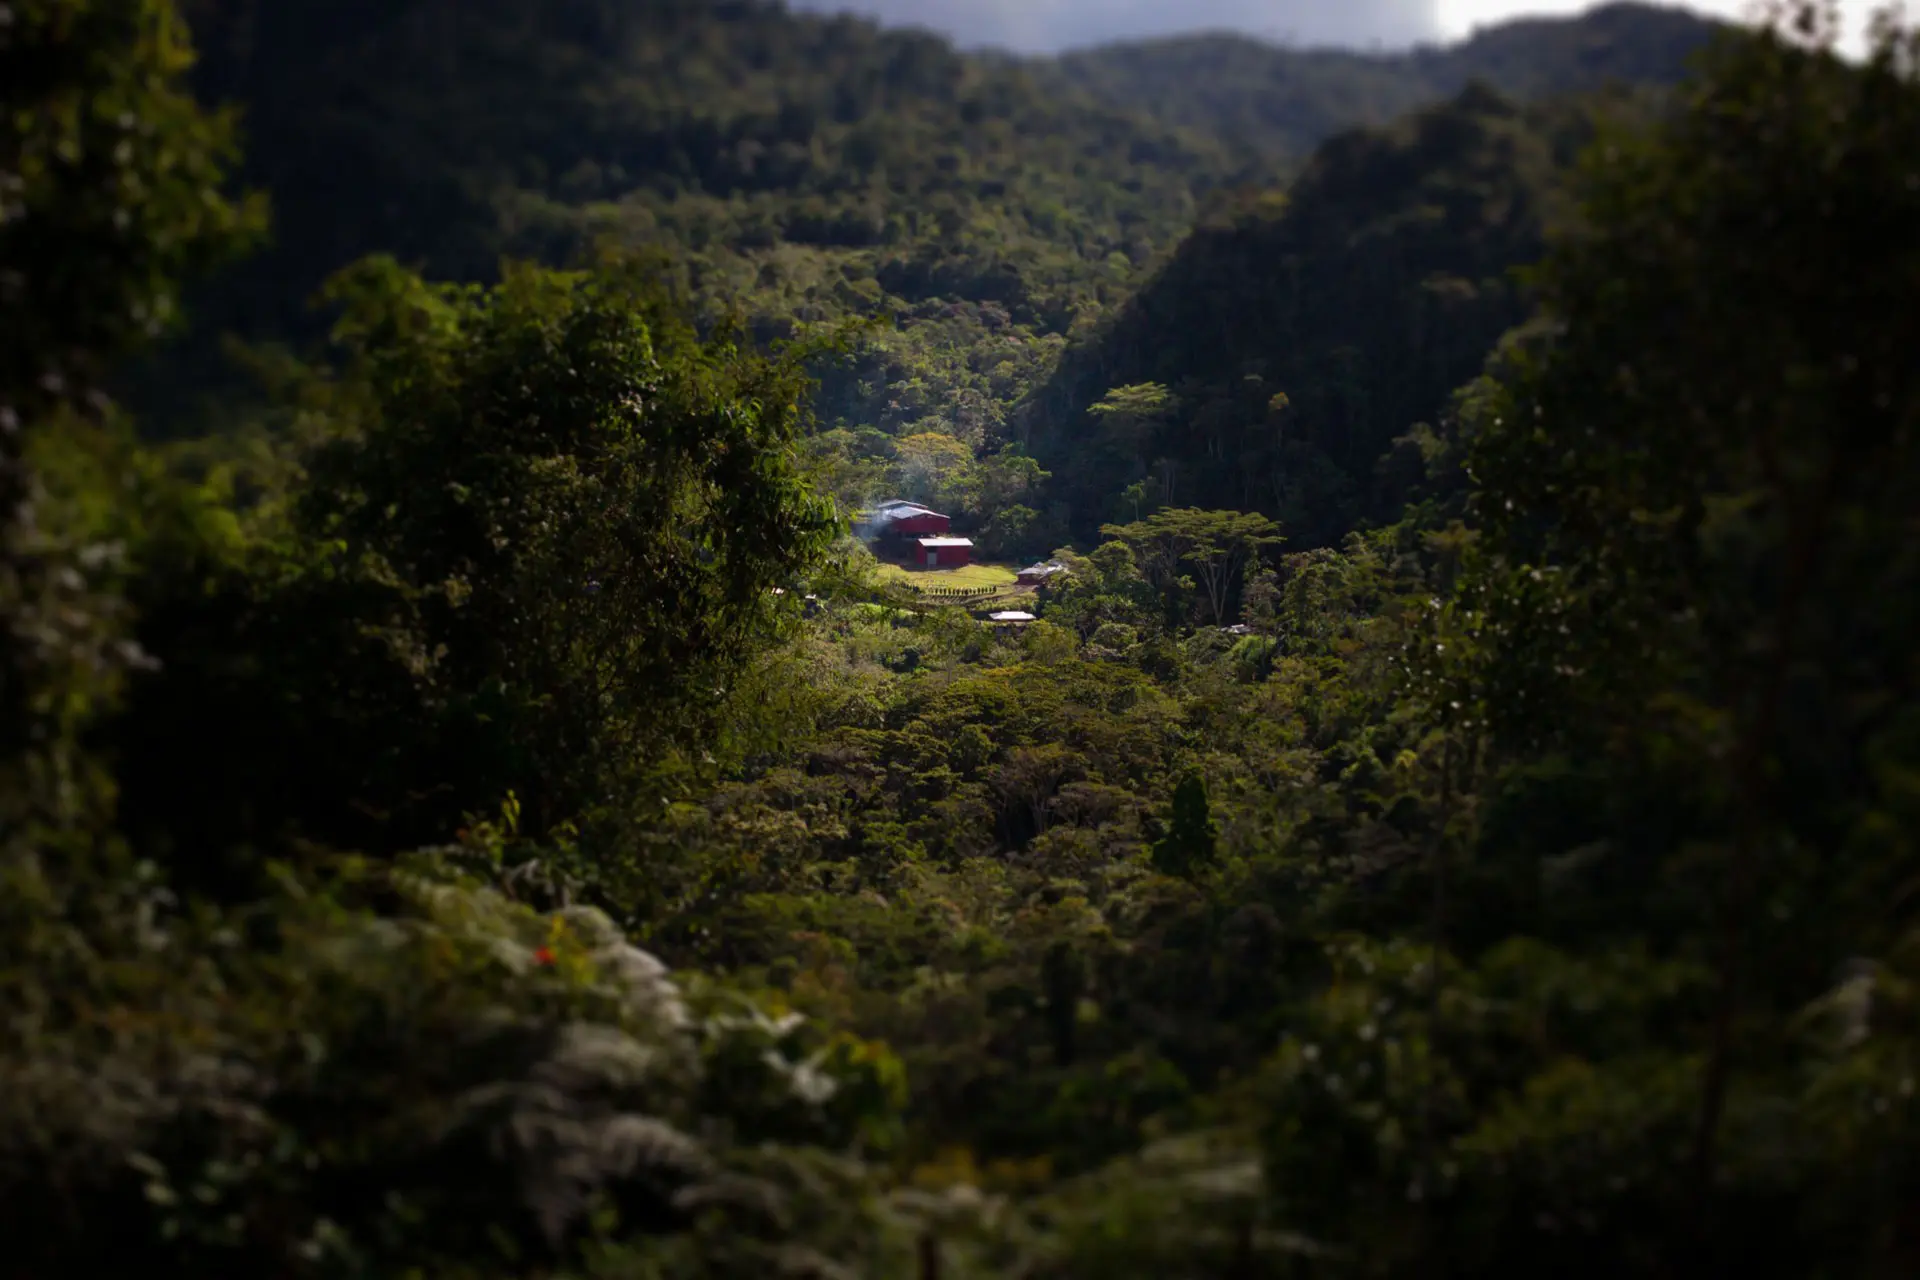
(1054,26)
(1046,26)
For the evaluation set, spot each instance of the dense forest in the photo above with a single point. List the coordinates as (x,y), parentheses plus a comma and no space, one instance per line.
(474,802)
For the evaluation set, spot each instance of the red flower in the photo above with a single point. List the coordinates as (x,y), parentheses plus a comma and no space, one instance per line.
(543,956)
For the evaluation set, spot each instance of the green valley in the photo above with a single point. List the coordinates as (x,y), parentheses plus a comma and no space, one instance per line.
(655,639)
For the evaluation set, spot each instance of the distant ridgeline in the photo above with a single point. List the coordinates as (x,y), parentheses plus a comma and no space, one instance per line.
(799,169)
(1283,102)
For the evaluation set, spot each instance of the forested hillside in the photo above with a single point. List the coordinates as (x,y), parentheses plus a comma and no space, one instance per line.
(469,806)
(1281,352)
(799,169)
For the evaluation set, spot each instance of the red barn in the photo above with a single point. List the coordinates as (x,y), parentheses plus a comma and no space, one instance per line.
(895,527)
(899,518)
(942,553)
(918,524)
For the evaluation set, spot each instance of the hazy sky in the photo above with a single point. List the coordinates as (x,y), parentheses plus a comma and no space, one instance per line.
(1045,25)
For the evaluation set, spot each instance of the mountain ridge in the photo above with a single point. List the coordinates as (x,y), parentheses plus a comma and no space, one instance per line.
(1246,89)
(797,168)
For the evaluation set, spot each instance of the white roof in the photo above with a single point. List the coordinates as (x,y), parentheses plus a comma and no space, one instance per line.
(945,542)
(1011,615)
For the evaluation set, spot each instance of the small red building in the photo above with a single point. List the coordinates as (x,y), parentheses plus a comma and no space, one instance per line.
(942,553)
(895,528)
(919,524)
(902,519)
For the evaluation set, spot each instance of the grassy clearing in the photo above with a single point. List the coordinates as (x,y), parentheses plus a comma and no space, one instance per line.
(966,577)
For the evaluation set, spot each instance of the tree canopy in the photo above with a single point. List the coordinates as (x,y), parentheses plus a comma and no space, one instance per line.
(472,807)
(1217,545)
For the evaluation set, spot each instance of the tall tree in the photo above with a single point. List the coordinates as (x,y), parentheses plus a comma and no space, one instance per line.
(112,191)
(1697,506)
(536,549)
(1217,545)
(1191,837)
